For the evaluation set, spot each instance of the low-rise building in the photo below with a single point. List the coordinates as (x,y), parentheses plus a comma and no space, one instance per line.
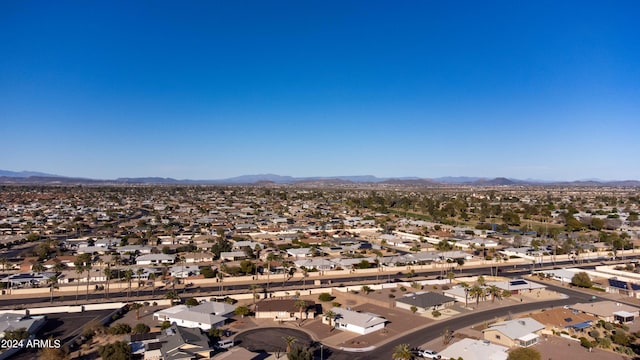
(522,332)
(357,322)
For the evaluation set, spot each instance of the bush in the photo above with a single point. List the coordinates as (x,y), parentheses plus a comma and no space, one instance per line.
(608,326)
(436,313)
(325,297)
(141,328)
(585,343)
(165,325)
(402,288)
(336,304)
(116,351)
(119,329)
(581,279)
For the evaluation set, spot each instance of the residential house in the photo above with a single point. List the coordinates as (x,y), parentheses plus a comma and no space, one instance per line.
(155,259)
(284,310)
(300,252)
(471,349)
(357,322)
(204,316)
(522,332)
(425,301)
(232,255)
(561,319)
(13,321)
(179,343)
(608,310)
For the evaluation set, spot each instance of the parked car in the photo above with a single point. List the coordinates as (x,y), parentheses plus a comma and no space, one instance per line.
(429,354)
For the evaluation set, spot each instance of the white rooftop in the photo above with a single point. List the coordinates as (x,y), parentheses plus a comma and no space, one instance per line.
(469,349)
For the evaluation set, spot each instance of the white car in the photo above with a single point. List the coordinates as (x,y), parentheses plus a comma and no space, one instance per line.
(429,354)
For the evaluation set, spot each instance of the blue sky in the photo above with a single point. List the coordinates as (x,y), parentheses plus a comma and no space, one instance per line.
(212,89)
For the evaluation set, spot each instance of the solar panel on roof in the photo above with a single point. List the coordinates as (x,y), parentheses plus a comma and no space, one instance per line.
(617,283)
(635,286)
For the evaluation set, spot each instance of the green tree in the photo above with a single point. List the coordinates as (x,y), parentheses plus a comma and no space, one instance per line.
(527,353)
(300,353)
(119,329)
(165,325)
(192,302)
(242,311)
(581,279)
(402,352)
(141,328)
(119,350)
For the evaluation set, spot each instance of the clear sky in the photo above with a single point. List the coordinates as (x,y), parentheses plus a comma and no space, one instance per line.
(215,89)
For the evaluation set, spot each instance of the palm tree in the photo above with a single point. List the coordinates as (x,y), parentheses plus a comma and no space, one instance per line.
(330,315)
(152,277)
(53,284)
(305,275)
(139,272)
(172,294)
(87,268)
(476,292)
(4,262)
(451,276)
(289,340)
(270,258)
(301,305)
(37,267)
(79,267)
(402,352)
(128,275)
(107,275)
(494,291)
(465,286)
(254,288)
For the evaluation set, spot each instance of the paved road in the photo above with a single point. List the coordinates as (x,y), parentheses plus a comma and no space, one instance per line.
(214,290)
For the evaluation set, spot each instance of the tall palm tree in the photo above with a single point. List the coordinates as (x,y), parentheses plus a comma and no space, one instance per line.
(494,291)
(139,272)
(301,305)
(476,292)
(289,340)
(128,275)
(402,352)
(37,267)
(79,268)
(53,284)
(152,277)
(107,275)
(253,289)
(270,258)
(466,287)
(4,262)
(87,268)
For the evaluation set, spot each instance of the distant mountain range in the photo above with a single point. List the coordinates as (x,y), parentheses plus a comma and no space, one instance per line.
(34,177)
